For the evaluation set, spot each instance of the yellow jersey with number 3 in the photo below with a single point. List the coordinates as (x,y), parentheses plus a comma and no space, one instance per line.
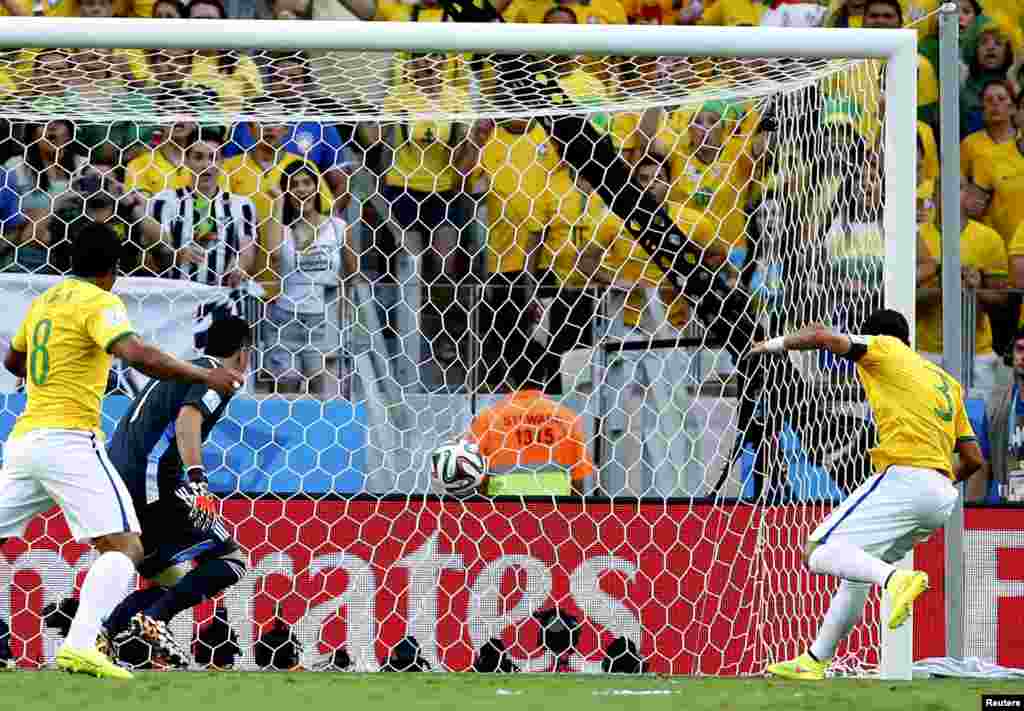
(66,338)
(918,407)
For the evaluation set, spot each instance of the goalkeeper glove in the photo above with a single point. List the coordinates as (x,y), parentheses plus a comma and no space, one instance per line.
(196,496)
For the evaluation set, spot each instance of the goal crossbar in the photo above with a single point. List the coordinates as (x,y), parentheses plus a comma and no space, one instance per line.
(629,40)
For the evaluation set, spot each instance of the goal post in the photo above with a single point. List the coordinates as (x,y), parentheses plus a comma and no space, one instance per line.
(363,558)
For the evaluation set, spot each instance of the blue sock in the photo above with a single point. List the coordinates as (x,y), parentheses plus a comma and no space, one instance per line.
(200,584)
(136,602)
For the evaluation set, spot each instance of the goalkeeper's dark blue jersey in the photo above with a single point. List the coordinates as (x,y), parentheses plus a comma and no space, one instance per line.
(145,435)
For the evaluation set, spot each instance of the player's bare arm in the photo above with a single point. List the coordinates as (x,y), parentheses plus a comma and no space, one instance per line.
(971,459)
(14,361)
(813,337)
(150,360)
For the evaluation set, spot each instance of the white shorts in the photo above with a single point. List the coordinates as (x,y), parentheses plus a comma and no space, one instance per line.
(890,512)
(68,468)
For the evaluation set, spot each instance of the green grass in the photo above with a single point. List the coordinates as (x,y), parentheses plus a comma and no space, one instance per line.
(50,691)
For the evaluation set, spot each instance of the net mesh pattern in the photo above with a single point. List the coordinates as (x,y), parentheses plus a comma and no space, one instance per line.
(412,244)
(106,85)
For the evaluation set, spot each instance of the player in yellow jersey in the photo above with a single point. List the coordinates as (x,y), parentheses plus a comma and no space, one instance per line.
(55,455)
(919,412)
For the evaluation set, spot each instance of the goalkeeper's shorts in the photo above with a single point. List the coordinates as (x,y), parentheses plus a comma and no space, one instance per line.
(170,538)
(890,512)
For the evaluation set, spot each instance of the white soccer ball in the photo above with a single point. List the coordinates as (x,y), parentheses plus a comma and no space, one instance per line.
(457,468)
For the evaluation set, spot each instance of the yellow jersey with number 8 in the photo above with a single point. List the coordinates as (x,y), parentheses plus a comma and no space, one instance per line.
(66,338)
(918,407)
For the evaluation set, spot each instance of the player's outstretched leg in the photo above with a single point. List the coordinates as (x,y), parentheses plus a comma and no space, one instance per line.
(117,629)
(107,582)
(162,643)
(843,614)
(207,580)
(120,620)
(849,562)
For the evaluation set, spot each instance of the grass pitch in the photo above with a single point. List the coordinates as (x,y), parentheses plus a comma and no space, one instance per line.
(154,691)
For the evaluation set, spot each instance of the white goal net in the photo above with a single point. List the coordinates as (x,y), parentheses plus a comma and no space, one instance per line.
(436,245)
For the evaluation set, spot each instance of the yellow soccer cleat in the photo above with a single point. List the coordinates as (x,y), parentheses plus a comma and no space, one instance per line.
(803,668)
(904,587)
(91,662)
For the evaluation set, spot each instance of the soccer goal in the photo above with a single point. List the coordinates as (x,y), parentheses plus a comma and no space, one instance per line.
(431,218)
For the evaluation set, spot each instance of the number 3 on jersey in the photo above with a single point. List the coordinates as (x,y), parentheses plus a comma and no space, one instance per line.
(946,415)
(39,358)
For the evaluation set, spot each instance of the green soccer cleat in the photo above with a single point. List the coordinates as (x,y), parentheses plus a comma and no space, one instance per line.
(904,587)
(803,668)
(91,662)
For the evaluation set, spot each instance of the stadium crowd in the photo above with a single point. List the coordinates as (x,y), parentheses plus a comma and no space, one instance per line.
(293,217)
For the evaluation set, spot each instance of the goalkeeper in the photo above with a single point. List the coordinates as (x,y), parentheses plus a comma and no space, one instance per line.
(157,449)
(921,421)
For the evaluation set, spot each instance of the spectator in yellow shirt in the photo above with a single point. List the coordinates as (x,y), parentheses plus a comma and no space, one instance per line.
(422,194)
(983,261)
(422,182)
(845,13)
(421,11)
(124,65)
(401,11)
(233,76)
(732,13)
(712,174)
(15,8)
(170,71)
(649,12)
(163,167)
(988,51)
(581,78)
(588,12)
(851,13)
(168,68)
(888,15)
(992,163)
(927,171)
(72,8)
(525,182)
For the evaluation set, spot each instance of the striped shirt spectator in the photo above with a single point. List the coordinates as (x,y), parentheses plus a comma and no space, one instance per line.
(210,233)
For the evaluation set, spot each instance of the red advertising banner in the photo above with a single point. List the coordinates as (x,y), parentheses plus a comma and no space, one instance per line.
(993,588)
(700,588)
